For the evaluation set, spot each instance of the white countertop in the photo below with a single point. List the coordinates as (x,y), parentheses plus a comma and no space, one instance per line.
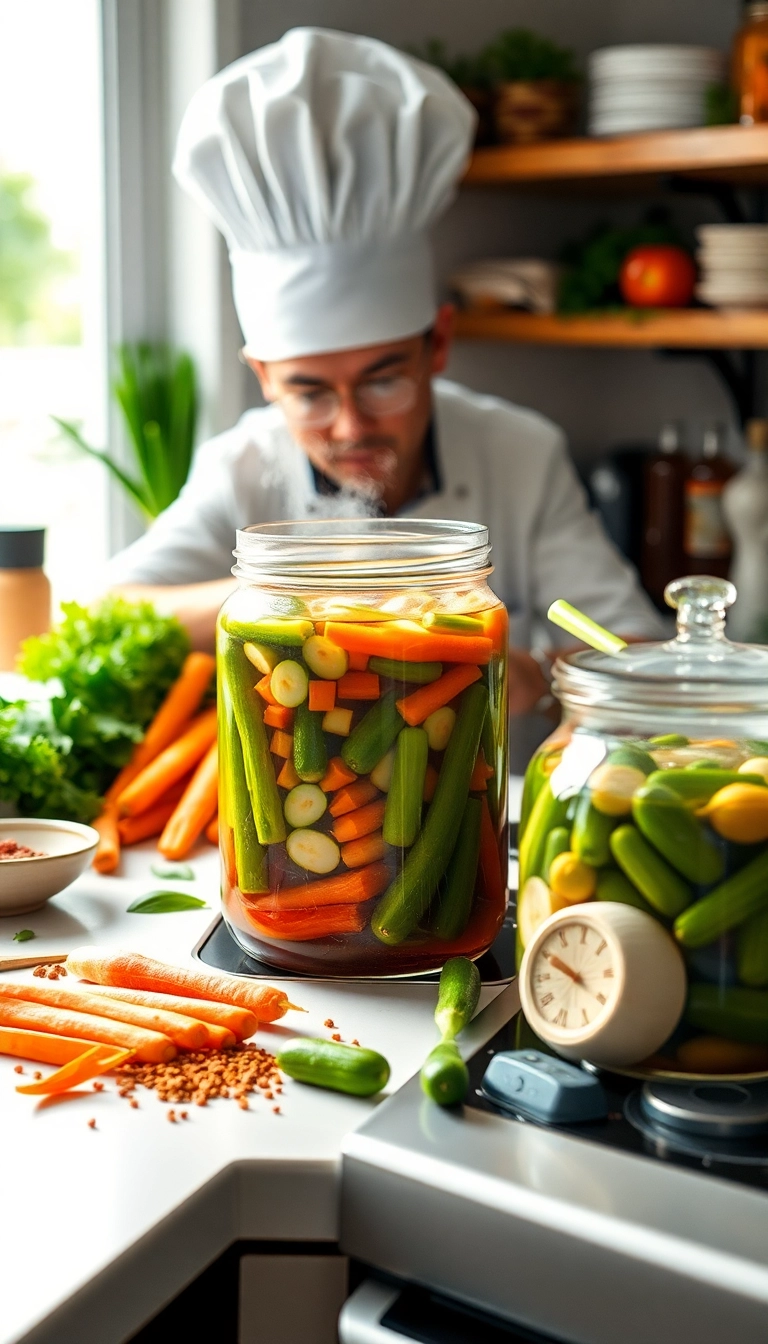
(101,1227)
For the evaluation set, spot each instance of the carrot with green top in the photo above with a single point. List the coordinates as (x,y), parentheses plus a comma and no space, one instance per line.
(169,767)
(342,889)
(418,706)
(405,641)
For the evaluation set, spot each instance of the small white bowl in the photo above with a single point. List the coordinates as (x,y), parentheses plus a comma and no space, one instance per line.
(26,884)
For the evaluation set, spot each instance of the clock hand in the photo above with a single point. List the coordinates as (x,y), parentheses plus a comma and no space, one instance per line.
(561,966)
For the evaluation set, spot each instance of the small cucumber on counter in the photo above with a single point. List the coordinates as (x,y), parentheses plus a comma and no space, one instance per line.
(558,842)
(591,834)
(661,886)
(310,757)
(418,674)
(613,885)
(737,1014)
(272,630)
(402,814)
(455,902)
(405,902)
(662,817)
(736,899)
(373,736)
(444,1076)
(752,951)
(340,1068)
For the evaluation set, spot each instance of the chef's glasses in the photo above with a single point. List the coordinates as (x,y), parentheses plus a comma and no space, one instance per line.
(375,399)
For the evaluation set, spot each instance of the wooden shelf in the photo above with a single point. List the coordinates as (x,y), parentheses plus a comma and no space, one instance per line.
(733,154)
(682,328)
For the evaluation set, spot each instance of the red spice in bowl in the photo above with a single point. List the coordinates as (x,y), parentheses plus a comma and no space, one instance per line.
(11,849)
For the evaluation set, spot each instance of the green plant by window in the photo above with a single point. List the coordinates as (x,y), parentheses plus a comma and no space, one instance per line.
(469,72)
(591,264)
(156,388)
(519,54)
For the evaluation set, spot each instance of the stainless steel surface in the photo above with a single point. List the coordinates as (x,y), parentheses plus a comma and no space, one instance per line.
(571,1238)
(722,1110)
(359,1322)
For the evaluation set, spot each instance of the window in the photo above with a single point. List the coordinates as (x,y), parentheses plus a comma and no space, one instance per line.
(52,327)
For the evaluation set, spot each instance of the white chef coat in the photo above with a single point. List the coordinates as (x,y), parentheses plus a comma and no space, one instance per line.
(499,464)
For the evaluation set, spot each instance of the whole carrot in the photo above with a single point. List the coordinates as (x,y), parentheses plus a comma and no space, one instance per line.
(239,1021)
(212,831)
(136,972)
(186,1032)
(107,856)
(150,1047)
(181,702)
(194,810)
(169,767)
(132,830)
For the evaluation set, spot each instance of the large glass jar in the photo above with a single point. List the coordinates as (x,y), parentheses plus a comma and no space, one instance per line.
(654,794)
(363,746)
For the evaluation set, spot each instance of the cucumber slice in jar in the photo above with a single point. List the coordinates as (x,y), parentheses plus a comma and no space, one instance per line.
(261,656)
(304,805)
(289,683)
(325,658)
(313,850)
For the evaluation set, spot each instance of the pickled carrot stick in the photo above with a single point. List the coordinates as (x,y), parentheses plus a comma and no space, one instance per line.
(409,643)
(418,706)
(362,821)
(302,926)
(343,889)
(355,795)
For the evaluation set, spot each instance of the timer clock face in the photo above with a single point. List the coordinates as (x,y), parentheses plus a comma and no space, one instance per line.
(573,976)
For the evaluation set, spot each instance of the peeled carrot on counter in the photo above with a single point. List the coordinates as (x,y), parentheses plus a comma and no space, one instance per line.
(186,1032)
(149,1047)
(239,1021)
(195,809)
(40,1046)
(169,767)
(133,971)
(89,1064)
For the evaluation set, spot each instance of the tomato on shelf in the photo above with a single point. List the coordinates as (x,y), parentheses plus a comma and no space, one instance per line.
(657,275)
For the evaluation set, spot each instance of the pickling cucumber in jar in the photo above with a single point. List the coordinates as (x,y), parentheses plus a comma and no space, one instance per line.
(363,768)
(653,794)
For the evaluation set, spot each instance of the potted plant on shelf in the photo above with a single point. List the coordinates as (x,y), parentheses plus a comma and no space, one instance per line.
(473,77)
(536,87)
(156,389)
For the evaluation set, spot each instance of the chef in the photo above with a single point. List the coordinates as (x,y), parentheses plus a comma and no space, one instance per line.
(324,159)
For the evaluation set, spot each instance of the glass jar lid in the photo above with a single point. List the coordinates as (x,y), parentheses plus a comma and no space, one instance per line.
(699,667)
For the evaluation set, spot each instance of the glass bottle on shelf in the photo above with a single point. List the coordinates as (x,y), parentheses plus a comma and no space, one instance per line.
(706,542)
(745,506)
(665,475)
(750,64)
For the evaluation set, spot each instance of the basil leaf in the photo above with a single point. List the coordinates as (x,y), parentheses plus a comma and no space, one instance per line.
(180,871)
(165,903)
(23,936)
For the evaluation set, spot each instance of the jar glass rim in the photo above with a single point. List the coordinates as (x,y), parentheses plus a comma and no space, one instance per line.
(321,551)
(575,684)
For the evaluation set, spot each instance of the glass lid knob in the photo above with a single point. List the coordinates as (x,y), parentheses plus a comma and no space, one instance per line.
(701,602)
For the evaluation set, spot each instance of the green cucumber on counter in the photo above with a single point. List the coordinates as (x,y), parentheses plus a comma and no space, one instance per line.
(613,885)
(444,1075)
(591,834)
(738,1014)
(558,842)
(696,786)
(662,817)
(271,631)
(752,951)
(402,813)
(373,736)
(248,708)
(406,900)
(653,877)
(417,674)
(337,1067)
(310,756)
(235,804)
(730,904)
(455,901)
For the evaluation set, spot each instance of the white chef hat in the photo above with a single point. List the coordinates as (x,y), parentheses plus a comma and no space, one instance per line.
(323,159)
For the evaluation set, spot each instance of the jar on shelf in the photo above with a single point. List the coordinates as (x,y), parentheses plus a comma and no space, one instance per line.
(750,64)
(643,906)
(363,746)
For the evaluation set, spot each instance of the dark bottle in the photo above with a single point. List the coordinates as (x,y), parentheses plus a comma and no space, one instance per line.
(706,541)
(665,474)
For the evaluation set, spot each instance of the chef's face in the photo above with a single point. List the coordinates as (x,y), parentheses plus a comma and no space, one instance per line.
(361,415)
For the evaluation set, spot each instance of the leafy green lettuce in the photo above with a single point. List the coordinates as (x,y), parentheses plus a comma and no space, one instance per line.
(106,672)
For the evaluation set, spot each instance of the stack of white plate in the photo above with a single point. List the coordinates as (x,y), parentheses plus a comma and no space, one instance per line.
(733,259)
(641,88)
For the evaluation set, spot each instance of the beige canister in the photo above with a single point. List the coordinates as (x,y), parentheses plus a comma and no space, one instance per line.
(25,593)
